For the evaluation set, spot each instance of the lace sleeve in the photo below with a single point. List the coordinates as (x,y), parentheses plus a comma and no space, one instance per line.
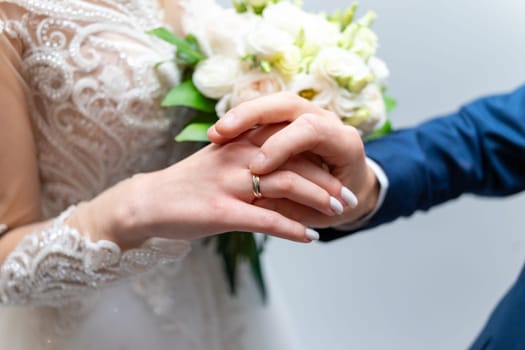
(58,264)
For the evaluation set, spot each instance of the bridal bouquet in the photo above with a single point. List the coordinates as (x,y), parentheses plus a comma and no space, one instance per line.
(261,47)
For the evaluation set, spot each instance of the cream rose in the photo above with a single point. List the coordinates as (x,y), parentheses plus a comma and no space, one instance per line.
(249,86)
(214,76)
(345,67)
(366,111)
(255,84)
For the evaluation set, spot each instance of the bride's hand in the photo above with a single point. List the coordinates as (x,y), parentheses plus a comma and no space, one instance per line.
(207,193)
(307,128)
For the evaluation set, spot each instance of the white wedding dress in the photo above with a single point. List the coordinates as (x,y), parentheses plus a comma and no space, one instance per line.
(93,99)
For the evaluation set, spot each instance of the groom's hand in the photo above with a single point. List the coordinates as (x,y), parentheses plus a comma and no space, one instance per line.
(293,125)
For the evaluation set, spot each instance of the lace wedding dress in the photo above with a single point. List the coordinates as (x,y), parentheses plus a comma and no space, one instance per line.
(93,97)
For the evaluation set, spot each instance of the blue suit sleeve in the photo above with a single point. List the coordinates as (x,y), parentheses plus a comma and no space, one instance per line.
(479,150)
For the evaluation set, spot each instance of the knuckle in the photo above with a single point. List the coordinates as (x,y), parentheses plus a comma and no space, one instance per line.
(288,95)
(270,222)
(292,100)
(286,181)
(352,138)
(333,116)
(310,123)
(352,132)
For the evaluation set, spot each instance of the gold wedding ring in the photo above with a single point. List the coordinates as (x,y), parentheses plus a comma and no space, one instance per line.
(256,188)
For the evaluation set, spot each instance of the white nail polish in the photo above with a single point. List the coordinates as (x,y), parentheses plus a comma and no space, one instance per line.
(312,234)
(349,197)
(336,206)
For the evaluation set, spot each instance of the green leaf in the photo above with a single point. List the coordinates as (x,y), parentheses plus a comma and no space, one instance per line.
(186,94)
(236,248)
(240,6)
(203,117)
(194,132)
(194,43)
(390,103)
(256,266)
(382,131)
(185,49)
(230,268)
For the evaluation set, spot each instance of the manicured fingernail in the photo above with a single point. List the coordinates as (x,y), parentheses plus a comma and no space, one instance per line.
(312,234)
(349,197)
(336,206)
(259,160)
(227,120)
(211,130)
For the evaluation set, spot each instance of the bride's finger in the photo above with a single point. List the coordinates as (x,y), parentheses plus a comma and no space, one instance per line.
(250,218)
(297,212)
(287,184)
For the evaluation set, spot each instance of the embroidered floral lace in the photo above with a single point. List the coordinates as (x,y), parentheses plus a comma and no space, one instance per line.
(58,264)
(93,97)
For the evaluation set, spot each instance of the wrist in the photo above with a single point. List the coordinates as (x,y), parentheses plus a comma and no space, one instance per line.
(112,215)
(369,195)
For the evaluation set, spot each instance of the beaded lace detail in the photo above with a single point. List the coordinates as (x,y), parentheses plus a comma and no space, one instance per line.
(93,97)
(58,264)
(94,92)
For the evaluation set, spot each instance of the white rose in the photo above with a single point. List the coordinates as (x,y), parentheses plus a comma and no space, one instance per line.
(319,32)
(285,16)
(253,85)
(267,41)
(365,43)
(366,111)
(289,62)
(319,91)
(198,15)
(214,76)
(226,30)
(337,64)
(379,70)
(360,40)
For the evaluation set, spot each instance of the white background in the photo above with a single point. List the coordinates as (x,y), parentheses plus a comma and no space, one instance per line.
(431,281)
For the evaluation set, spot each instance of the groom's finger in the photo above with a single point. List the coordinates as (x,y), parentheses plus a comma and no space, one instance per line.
(337,144)
(271,109)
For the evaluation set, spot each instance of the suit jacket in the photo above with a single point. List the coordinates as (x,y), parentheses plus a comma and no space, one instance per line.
(481,150)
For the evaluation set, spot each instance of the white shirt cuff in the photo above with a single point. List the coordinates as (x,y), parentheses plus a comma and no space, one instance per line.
(383,188)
